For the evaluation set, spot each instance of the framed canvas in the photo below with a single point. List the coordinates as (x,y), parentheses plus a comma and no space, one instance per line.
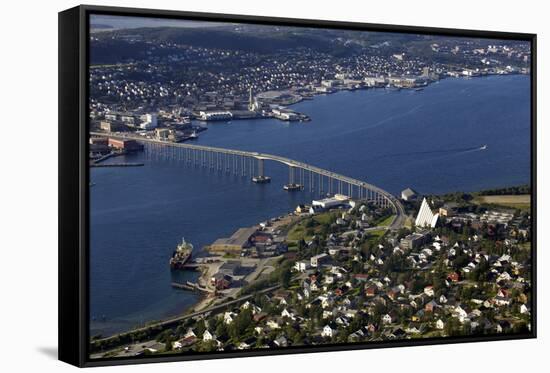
(235,186)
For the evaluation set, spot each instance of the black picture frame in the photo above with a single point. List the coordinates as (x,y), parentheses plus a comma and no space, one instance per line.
(74,180)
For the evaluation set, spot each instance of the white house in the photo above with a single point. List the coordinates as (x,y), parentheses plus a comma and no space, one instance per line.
(459,313)
(207,336)
(287,313)
(273,324)
(228,317)
(328,331)
(429,291)
(301,266)
(190,333)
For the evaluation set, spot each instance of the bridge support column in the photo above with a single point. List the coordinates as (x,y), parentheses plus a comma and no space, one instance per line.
(260,167)
(260,178)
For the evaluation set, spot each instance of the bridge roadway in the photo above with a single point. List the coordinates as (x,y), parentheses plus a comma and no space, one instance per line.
(378,195)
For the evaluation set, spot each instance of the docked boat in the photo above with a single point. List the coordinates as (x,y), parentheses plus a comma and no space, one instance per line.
(292,187)
(181,255)
(261,179)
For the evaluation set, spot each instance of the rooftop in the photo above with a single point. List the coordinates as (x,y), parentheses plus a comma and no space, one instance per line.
(239,238)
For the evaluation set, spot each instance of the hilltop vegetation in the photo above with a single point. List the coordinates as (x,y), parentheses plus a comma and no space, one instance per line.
(121,45)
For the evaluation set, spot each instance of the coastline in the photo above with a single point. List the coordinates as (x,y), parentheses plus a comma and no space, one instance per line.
(204,301)
(312,95)
(394,88)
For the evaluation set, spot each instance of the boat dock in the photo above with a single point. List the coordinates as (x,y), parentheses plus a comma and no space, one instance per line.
(125,164)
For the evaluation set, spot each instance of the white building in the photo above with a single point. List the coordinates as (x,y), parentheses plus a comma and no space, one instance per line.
(215,115)
(426,217)
(317,260)
(301,266)
(207,336)
(327,203)
(149,121)
(408,194)
(328,332)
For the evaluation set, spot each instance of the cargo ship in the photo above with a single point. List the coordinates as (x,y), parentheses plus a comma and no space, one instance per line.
(181,255)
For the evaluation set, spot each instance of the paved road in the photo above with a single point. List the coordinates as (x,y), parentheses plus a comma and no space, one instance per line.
(175,320)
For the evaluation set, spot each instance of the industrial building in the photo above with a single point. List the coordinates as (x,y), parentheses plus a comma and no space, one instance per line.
(112,126)
(413,241)
(215,115)
(99,145)
(234,244)
(409,194)
(327,203)
(125,144)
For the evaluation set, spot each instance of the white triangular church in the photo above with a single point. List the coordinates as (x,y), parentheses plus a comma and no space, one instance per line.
(425,217)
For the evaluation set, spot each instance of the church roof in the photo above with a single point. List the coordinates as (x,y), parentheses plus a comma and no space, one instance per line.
(426,217)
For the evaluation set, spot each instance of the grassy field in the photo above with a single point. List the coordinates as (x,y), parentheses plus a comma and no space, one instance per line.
(299,230)
(521,201)
(386,222)
(525,245)
(373,236)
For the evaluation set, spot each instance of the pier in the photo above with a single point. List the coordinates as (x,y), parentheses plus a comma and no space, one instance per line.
(191,286)
(251,164)
(124,164)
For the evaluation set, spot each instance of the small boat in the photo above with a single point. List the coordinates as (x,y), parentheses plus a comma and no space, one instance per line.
(292,187)
(193,135)
(419,89)
(483,147)
(261,179)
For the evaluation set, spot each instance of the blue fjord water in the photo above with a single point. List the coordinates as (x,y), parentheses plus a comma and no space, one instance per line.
(427,140)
